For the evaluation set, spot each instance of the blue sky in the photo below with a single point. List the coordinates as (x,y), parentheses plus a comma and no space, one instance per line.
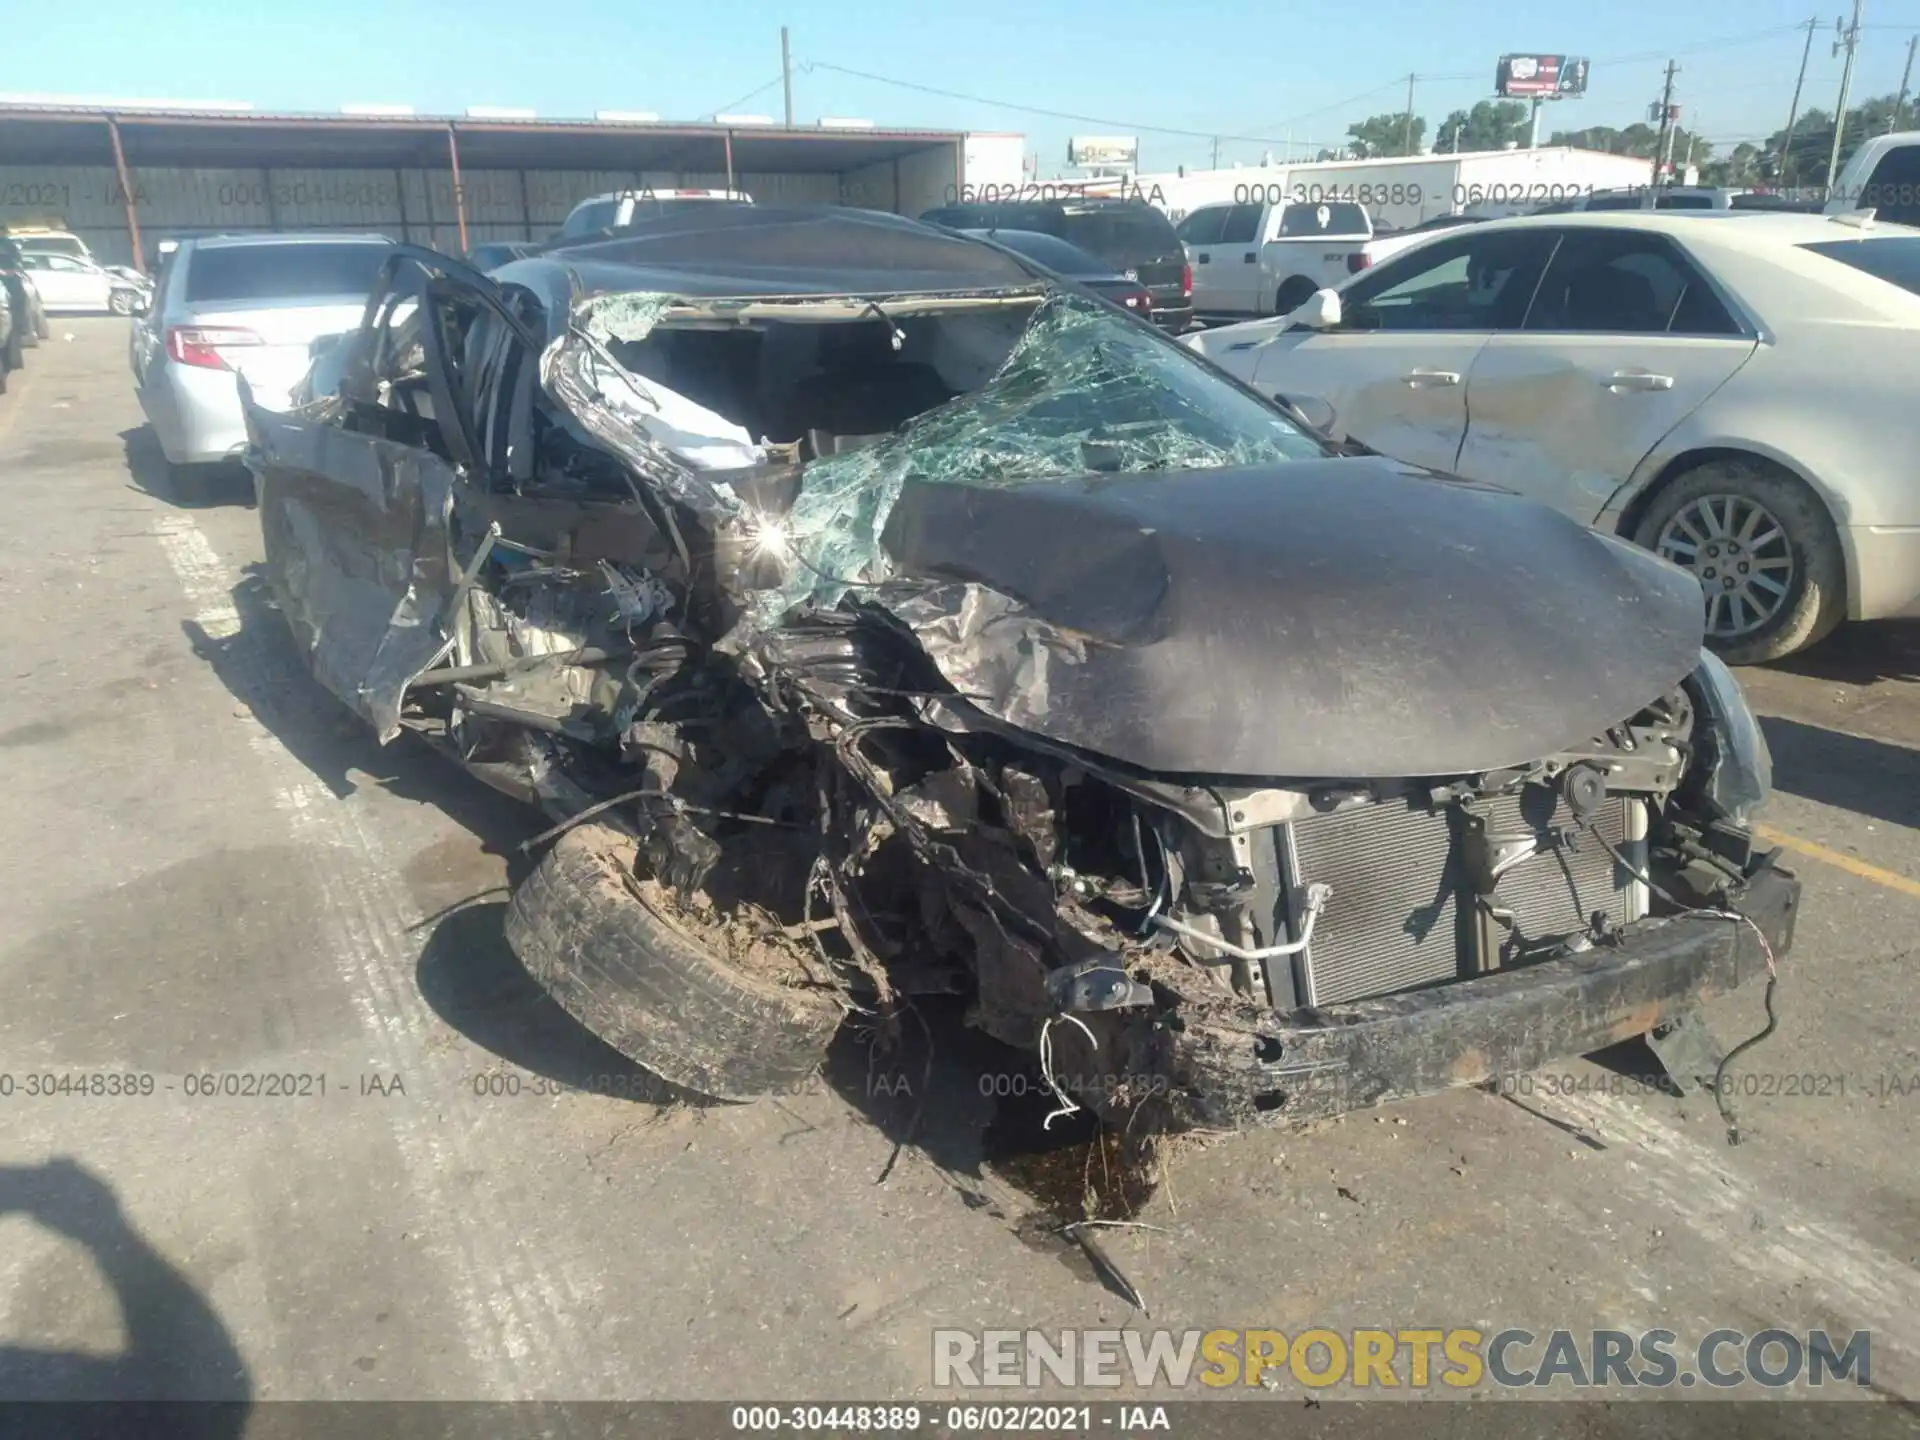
(1230,67)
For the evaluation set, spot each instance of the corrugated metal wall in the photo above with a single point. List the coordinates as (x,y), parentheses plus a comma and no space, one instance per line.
(416,205)
(911,185)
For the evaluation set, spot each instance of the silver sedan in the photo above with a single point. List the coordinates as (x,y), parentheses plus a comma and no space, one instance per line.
(238,305)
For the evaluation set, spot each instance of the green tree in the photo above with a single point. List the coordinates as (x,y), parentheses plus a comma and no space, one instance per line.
(1805,163)
(1746,166)
(1387,134)
(1638,140)
(1489,125)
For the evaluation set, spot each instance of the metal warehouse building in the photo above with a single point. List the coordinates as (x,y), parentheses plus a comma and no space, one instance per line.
(125,178)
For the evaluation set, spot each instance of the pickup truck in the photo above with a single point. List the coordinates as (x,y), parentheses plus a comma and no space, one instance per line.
(1387,243)
(1883,176)
(1268,258)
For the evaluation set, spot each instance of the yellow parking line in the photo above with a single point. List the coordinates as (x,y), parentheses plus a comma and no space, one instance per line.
(1905,884)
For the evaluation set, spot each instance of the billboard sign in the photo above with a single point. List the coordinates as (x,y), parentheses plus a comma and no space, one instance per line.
(1528,77)
(1106,152)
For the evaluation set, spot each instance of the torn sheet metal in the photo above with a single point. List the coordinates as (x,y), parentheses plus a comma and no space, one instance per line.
(663,436)
(1264,621)
(356,545)
(703,438)
(1084,390)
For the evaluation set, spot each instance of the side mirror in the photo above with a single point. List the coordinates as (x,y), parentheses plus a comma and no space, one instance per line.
(1314,409)
(1320,311)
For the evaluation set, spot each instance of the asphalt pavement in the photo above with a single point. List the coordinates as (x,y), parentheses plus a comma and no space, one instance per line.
(360,1155)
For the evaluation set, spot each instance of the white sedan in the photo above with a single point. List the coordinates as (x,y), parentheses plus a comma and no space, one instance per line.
(69,282)
(1734,390)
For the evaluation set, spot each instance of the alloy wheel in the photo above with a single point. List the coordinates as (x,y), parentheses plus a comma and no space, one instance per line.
(1740,555)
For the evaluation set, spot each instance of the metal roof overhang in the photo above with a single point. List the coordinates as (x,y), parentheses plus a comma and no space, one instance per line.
(47,135)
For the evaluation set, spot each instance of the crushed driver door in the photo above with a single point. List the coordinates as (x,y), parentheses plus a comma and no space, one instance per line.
(356,487)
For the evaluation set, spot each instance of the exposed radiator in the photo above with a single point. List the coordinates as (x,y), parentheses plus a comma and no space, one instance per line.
(1402,913)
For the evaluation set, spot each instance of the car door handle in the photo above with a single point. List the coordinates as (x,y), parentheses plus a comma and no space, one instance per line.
(1250,257)
(1638,380)
(1204,258)
(1423,378)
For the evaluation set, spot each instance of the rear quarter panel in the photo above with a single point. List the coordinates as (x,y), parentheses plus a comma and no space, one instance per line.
(1830,393)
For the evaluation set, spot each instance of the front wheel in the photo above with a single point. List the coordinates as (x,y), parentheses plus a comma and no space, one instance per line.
(120,302)
(1764,550)
(609,947)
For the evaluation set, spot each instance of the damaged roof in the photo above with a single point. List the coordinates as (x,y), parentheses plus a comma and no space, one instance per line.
(776,250)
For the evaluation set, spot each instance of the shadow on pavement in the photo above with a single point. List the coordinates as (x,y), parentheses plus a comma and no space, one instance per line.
(260,668)
(187,487)
(177,1349)
(1849,772)
(466,972)
(473,980)
(928,1082)
(1861,654)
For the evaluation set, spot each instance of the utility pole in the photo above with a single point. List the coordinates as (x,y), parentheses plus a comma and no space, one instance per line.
(1849,41)
(1793,110)
(1906,77)
(1663,147)
(1406,126)
(1216,152)
(786,75)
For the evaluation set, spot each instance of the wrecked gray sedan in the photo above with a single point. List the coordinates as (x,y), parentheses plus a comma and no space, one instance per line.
(883,616)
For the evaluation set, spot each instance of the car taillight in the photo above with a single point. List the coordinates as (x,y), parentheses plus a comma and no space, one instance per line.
(200,344)
(1358,261)
(1186,279)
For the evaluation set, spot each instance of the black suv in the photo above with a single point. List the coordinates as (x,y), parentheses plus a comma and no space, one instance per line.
(1130,235)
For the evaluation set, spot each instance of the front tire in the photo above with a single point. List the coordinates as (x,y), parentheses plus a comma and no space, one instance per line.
(594,939)
(120,302)
(1764,549)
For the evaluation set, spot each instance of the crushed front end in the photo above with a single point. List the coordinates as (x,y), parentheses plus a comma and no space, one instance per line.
(986,643)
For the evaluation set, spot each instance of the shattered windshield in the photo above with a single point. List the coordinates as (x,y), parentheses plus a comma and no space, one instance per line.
(1085,390)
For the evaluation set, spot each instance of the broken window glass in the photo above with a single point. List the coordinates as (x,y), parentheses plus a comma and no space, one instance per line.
(1085,390)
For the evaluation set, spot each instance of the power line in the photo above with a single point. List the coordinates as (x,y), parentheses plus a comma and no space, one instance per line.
(1261,134)
(761,90)
(810,65)
(1745,38)
(1393,84)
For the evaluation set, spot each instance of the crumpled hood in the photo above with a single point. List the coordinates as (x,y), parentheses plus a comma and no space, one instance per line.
(1344,618)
